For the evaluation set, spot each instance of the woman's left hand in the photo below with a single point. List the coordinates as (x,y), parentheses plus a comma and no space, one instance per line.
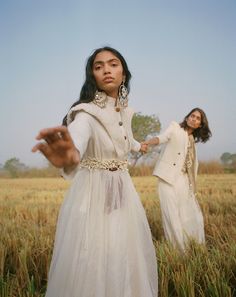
(58,147)
(144,148)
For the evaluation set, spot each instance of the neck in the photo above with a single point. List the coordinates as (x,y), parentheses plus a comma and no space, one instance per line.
(112,94)
(189,130)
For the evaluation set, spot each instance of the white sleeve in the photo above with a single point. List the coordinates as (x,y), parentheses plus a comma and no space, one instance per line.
(135,145)
(80,131)
(166,135)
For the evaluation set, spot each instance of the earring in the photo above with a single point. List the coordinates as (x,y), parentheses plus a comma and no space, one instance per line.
(100,99)
(123,95)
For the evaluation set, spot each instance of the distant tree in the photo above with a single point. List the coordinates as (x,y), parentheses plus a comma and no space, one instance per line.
(144,127)
(13,166)
(226,158)
(229,160)
(233,158)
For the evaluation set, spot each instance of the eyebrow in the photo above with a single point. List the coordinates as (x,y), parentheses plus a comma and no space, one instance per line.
(109,61)
(197,116)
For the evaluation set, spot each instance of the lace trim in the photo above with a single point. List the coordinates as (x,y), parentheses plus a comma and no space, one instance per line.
(107,164)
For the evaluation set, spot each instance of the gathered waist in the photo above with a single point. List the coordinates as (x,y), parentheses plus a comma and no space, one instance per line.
(105,164)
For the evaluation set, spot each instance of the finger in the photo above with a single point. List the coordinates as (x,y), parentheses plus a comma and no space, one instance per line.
(43,148)
(38,147)
(145,149)
(64,133)
(34,149)
(76,157)
(59,133)
(51,132)
(52,138)
(145,146)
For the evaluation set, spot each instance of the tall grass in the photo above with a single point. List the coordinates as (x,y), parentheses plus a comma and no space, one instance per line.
(28,212)
(206,167)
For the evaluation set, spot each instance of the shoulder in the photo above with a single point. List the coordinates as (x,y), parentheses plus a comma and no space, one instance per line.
(174,124)
(82,110)
(129,111)
(81,120)
(176,130)
(82,115)
(173,128)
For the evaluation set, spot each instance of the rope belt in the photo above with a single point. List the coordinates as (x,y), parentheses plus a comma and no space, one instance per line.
(107,164)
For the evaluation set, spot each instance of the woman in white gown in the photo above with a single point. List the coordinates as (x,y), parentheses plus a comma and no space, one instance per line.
(103,245)
(176,169)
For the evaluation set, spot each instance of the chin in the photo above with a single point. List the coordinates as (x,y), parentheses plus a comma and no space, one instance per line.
(192,127)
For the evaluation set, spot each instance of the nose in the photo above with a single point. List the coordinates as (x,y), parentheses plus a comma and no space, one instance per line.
(106,69)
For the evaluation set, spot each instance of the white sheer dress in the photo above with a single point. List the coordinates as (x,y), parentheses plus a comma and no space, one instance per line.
(103,245)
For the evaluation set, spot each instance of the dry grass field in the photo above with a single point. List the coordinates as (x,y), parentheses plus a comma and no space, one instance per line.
(28,212)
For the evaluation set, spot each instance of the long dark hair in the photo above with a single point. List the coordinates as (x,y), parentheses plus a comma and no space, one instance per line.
(89,87)
(203,133)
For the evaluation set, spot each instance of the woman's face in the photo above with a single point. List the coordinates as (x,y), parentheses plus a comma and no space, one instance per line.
(108,72)
(194,120)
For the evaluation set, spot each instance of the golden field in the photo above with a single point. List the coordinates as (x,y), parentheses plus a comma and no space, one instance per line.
(28,213)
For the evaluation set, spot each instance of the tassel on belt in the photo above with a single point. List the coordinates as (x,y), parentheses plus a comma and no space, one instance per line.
(106,164)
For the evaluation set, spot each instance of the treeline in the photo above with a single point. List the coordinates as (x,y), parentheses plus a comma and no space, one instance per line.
(143,127)
(31,172)
(209,167)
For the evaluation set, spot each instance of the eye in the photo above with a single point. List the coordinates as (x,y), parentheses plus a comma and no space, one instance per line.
(97,67)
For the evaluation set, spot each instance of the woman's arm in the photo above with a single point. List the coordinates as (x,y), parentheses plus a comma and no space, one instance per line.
(152,141)
(162,138)
(64,147)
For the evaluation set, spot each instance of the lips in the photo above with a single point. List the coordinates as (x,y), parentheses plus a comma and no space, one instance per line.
(108,79)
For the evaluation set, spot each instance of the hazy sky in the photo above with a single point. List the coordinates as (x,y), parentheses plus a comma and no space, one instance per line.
(181,54)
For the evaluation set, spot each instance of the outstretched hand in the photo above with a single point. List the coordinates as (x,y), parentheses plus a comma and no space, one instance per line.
(144,148)
(57,147)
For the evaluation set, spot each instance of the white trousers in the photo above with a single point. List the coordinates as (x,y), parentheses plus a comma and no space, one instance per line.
(181,215)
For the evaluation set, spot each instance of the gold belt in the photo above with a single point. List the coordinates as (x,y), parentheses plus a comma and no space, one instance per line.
(106,164)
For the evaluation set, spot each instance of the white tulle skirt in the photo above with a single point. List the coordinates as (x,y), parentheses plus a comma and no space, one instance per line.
(103,245)
(181,215)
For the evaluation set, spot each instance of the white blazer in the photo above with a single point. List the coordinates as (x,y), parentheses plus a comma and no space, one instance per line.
(171,160)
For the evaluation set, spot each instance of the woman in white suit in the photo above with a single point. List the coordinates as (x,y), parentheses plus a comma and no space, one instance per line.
(176,169)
